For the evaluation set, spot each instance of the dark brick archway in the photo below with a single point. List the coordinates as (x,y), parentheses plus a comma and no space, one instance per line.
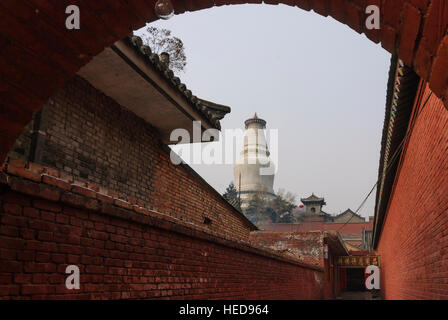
(38,54)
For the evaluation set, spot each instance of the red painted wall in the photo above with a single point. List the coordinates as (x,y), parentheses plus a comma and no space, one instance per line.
(414,241)
(349,228)
(343,278)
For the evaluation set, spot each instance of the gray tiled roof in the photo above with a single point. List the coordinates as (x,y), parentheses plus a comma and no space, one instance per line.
(312,198)
(210,110)
(349,211)
(401,92)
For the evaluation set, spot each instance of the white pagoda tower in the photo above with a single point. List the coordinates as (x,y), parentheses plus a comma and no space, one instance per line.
(251,171)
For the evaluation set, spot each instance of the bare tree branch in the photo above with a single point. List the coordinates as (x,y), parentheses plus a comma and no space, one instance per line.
(160,40)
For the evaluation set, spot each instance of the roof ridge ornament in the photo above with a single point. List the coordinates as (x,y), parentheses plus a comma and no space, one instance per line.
(165,59)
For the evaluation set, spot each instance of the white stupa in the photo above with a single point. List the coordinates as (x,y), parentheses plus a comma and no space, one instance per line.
(251,171)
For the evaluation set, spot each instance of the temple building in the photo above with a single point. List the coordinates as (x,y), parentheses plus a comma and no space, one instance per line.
(254,170)
(313,209)
(355,230)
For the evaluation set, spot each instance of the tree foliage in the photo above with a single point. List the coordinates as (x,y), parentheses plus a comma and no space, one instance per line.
(231,195)
(263,209)
(161,40)
(283,205)
(258,209)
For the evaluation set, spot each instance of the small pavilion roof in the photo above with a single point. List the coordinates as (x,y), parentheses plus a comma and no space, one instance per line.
(312,198)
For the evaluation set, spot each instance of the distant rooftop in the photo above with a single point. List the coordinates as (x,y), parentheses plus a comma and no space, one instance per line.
(313,198)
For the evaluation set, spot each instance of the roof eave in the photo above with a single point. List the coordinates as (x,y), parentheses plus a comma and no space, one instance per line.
(335,241)
(136,79)
(401,92)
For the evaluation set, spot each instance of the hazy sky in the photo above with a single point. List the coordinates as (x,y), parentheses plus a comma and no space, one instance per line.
(321,84)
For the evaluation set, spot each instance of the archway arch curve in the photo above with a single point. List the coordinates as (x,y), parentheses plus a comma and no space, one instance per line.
(38,54)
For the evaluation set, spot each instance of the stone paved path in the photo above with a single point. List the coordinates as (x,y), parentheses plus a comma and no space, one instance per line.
(359,295)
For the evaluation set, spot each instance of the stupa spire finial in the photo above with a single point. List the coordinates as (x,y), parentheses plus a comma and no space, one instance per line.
(255,120)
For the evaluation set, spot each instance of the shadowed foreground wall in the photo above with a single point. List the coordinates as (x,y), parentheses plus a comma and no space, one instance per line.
(414,240)
(95,187)
(124,253)
(88,136)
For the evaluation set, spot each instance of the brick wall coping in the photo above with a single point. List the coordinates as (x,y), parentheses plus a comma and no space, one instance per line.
(50,184)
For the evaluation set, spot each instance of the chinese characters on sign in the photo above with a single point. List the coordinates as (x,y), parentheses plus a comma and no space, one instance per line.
(358,261)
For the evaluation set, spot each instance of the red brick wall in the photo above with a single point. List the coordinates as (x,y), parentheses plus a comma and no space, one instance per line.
(88,136)
(307,247)
(123,255)
(414,240)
